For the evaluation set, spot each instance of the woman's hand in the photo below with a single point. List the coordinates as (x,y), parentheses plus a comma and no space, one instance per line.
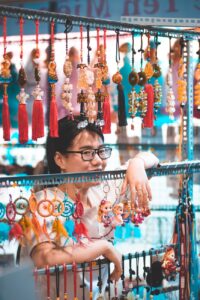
(138,182)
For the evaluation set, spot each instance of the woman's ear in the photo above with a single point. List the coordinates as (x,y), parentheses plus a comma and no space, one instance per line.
(60,161)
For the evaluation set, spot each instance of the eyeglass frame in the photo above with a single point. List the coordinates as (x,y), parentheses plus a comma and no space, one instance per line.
(95,152)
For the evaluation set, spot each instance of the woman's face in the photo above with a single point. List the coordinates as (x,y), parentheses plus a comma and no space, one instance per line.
(73,162)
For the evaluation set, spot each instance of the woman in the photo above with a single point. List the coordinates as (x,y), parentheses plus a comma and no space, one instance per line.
(82,150)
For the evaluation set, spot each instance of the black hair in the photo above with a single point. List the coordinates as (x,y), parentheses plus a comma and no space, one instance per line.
(67,131)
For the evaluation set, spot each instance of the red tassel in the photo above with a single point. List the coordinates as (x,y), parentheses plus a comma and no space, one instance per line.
(6,119)
(23,123)
(37,120)
(80,230)
(106,116)
(149,117)
(53,118)
(16,232)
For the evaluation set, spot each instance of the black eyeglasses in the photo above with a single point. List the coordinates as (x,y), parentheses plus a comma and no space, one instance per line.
(89,154)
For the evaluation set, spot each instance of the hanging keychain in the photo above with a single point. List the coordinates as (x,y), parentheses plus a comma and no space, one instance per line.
(157,73)
(117,207)
(57,282)
(105,208)
(5,79)
(106,81)
(197,81)
(142,96)
(68,213)
(22,96)
(74,267)
(91,283)
(48,282)
(57,227)
(170,105)
(38,113)
(52,79)
(117,78)
(181,83)
(148,70)
(80,230)
(147,106)
(82,85)
(124,291)
(67,87)
(133,79)
(137,257)
(83,285)
(99,96)
(65,281)
(91,103)
(99,283)
(37,228)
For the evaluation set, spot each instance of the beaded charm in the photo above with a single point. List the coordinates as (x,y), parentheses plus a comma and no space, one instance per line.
(170,106)
(67,86)
(38,112)
(22,96)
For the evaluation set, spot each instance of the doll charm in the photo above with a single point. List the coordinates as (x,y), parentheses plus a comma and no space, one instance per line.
(118,213)
(169,264)
(104,211)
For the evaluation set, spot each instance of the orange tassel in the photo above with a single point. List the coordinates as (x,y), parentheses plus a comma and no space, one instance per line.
(26,226)
(44,229)
(53,118)
(59,230)
(36,227)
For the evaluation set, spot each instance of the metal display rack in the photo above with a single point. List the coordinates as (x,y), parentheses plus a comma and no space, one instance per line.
(187,168)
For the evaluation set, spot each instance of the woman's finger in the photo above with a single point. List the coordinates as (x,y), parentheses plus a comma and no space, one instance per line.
(148,188)
(124,186)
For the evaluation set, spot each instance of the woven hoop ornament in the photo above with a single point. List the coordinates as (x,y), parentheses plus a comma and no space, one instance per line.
(2,210)
(47,206)
(21,205)
(59,207)
(79,209)
(68,208)
(11,211)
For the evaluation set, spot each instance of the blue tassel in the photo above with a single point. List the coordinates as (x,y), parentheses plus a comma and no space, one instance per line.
(4,232)
(69,226)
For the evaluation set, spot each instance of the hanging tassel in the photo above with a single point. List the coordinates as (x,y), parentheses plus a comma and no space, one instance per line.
(36,227)
(6,116)
(121,106)
(16,232)
(69,226)
(59,230)
(23,123)
(148,120)
(26,226)
(37,120)
(80,230)
(106,116)
(4,232)
(53,117)
(44,229)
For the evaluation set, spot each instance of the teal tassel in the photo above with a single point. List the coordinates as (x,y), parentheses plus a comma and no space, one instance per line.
(4,232)
(69,226)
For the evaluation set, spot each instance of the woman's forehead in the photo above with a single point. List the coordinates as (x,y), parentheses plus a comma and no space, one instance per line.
(87,138)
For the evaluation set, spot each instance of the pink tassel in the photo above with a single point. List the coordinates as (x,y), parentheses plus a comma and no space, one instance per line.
(106,116)
(37,120)
(6,119)
(148,120)
(23,123)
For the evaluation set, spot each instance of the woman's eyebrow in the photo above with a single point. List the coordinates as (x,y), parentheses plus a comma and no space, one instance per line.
(90,147)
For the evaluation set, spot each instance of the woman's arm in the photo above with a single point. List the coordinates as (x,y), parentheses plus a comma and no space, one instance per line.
(50,254)
(136,176)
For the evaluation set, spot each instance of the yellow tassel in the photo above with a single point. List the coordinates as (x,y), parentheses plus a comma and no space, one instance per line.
(36,227)
(59,229)
(26,225)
